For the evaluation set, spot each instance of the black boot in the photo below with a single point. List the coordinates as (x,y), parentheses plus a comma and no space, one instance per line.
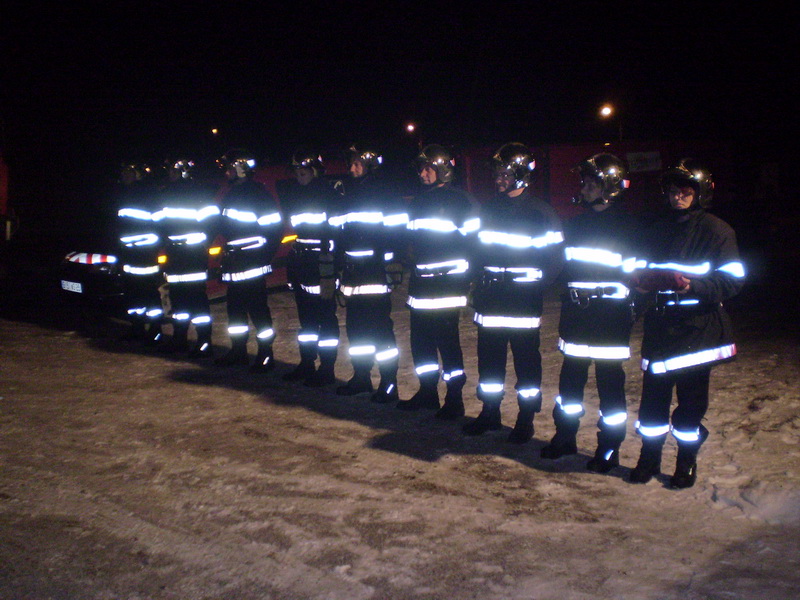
(264,362)
(302,371)
(453,402)
(488,420)
(360,383)
(686,464)
(386,393)
(523,428)
(649,464)
(202,347)
(606,457)
(178,342)
(153,335)
(427,397)
(563,442)
(321,377)
(237,355)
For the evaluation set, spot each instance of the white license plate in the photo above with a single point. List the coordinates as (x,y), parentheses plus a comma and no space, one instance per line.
(71,286)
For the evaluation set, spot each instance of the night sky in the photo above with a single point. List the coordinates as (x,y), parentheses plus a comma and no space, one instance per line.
(87,86)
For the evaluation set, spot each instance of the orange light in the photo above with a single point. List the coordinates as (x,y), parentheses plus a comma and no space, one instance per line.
(162,259)
(289,238)
(214,250)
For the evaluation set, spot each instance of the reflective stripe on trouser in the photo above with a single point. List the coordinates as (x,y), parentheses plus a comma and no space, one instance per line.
(493,343)
(370,330)
(610,377)
(143,297)
(248,300)
(190,302)
(319,327)
(434,333)
(691,388)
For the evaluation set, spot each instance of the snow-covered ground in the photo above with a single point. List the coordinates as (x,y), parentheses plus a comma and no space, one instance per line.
(126,474)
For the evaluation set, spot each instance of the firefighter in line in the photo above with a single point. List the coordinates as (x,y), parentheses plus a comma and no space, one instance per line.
(693,267)
(440,219)
(307,203)
(596,311)
(252,228)
(186,218)
(368,222)
(139,243)
(518,254)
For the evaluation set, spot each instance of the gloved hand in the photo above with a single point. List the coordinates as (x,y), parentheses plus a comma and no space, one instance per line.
(659,280)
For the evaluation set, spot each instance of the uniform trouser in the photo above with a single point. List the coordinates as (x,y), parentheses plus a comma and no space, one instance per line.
(610,377)
(319,327)
(434,333)
(245,299)
(142,297)
(370,333)
(691,386)
(493,345)
(190,306)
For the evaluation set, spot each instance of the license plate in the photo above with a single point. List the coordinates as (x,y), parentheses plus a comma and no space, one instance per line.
(71,286)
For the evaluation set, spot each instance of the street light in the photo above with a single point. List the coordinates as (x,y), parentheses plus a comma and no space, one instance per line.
(606,112)
(411,129)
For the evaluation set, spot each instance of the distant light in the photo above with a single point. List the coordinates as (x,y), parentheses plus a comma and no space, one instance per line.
(214,131)
(410,128)
(606,110)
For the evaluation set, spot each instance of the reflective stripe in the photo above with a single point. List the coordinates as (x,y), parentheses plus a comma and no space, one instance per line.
(154,312)
(305,338)
(188,214)
(388,256)
(432,224)
(189,238)
(529,392)
(434,303)
(361,350)
(614,419)
(309,242)
(245,275)
(359,253)
(188,277)
(361,290)
(395,220)
(90,259)
(331,343)
(652,430)
(491,388)
(308,218)
(429,368)
(594,352)
(470,226)
(238,329)
(700,269)
(135,213)
(265,334)
(599,256)
(202,320)
(509,322)
(270,219)
(311,289)
(385,355)
(249,243)
(689,360)
(526,274)
(458,266)
(182,316)
(516,240)
(452,374)
(733,268)
(141,270)
(143,239)
(620,291)
(686,436)
(357,217)
(569,408)
(137,311)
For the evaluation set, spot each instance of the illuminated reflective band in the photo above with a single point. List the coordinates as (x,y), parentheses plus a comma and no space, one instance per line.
(491,388)
(308,219)
(594,352)
(515,240)
(686,436)
(470,226)
(373,218)
(270,219)
(620,291)
(140,270)
(434,303)
(182,316)
(189,239)
(440,225)
(202,320)
(238,329)
(700,269)
(452,374)
(135,213)
(458,266)
(385,355)
(305,338)
(331,343)
(144,239)
(361,350)
(569,408)
(189,214)
(529,392)
(189,277)
(265,334)
(597,256)
(309,242)
(359,253)
(689,302)
(615,419)
(395,220)
(733,268)
(510,322)
(137,311)
(208,211)
(429,368)
(526,275)
(90,259)
(652,430)
(154,312)
(249,243)
(388,257)
(245,275)
(311,289)
(246,216)
(689,360)
(362,290)
(629,265)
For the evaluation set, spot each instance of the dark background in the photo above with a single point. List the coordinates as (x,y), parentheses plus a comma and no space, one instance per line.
(88,85)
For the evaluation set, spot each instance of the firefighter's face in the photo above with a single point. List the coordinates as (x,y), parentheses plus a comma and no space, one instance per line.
(357,168)
(504,181)
(427,175)
(681,198)
(304,175)
(591,190)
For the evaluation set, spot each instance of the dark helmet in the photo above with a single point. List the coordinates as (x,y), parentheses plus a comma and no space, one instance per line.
(368,156)
(183,166)
(517,159)
(609,171)
(440,160)
(133,171)
(310,160)
(241,161)
(690,172)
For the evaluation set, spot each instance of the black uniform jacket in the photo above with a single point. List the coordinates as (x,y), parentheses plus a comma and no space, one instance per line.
(517,254)
(685,330)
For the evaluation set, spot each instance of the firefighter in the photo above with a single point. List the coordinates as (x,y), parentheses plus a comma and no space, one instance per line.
(139,242)
(185,218)
(517,256)
(307,205)
(693,267)
(368,221)
(439,219)
(596,311)
(251,227)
